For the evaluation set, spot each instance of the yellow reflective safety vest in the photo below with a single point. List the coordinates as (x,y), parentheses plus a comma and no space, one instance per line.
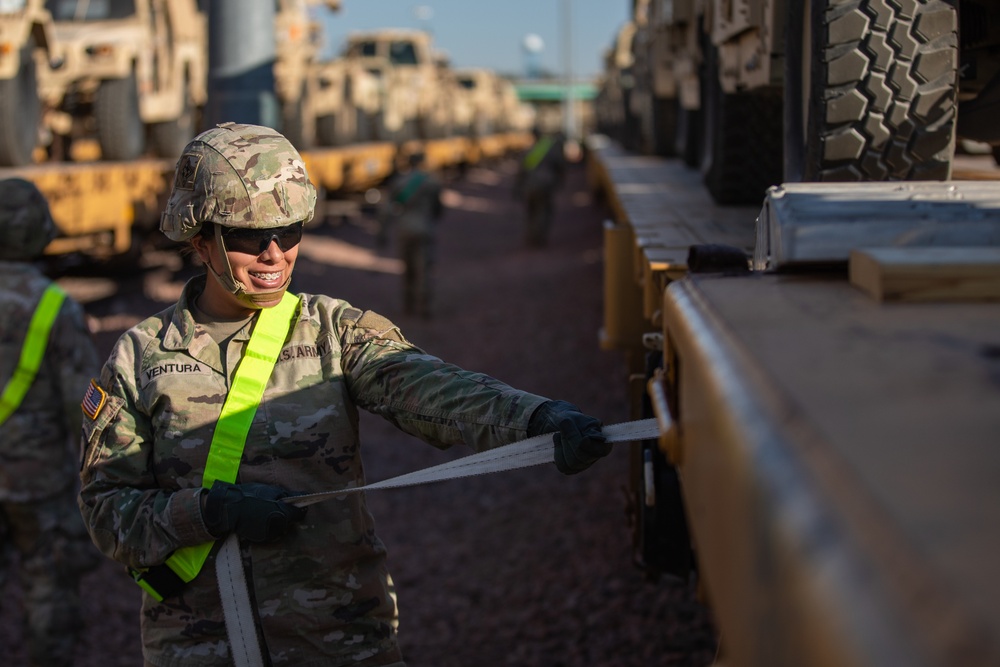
(537,153)
(226,450)
(35,342)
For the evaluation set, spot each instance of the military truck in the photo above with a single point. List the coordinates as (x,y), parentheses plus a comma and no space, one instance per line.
(134,70)
(27,44)
(403,61)
(483,92)
(347,103)
(760,91)
(515,115)
(455,110)
(614,100)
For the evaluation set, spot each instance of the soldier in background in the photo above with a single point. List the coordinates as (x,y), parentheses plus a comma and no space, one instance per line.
(413,206)
(540,173)
(176,464)
(46,363)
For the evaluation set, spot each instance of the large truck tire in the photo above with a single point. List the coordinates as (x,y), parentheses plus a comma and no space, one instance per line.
(687,135)
(326,130)
(169,138)
(631,133)
(120,130)
(20,112)
(664,126)
(298,123)
(871,90)
(741,140)
(340,128)
(378,131)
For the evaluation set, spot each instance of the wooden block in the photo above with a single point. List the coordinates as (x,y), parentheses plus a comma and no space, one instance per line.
(927,273)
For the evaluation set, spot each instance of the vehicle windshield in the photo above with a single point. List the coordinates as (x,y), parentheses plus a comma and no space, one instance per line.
(402,53)
(365,49)
(90,10)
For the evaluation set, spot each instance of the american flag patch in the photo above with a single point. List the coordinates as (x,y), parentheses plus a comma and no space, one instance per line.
(93,400)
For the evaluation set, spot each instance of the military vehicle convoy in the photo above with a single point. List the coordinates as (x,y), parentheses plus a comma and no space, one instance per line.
(759,91)
(123,81)
(134,71)
(26,47)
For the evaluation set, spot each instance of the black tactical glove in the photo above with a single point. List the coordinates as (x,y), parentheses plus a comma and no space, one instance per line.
(254,511)
(578,439)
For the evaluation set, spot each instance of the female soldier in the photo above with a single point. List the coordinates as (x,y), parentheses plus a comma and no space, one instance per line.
(208,414)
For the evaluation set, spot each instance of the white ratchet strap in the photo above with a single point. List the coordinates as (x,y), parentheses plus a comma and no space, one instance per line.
(524,454)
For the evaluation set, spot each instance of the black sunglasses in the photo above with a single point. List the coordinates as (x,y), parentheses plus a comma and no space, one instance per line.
(256,241)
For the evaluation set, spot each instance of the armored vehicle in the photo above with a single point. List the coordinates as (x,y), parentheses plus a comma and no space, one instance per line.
(347,103)
(454,112)
(403,61)
(134,69)
(26,46)
(515,115)
(483,93)
(757,91)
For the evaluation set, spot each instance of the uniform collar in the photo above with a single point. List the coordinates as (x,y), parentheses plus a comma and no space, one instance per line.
(183,333)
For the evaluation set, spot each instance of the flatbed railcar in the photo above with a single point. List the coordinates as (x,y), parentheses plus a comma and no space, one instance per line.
(829,411)
(102,209)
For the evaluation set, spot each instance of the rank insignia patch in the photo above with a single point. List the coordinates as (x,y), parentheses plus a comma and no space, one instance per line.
(187,171)
(93,400)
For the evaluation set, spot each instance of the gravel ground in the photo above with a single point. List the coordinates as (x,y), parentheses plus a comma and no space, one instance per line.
(528,568)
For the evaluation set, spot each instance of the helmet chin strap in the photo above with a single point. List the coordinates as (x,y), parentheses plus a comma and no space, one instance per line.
(253,300)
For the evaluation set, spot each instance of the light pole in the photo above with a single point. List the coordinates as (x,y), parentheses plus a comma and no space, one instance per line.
(424,14)
(569,113)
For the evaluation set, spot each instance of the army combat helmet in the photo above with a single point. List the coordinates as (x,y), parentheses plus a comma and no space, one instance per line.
(26,225)
(244,176)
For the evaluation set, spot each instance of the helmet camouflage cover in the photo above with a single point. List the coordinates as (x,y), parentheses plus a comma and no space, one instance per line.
(26,225)
(238,176)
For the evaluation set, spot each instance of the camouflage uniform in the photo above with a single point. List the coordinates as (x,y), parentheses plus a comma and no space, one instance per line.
(537,185)
(322,594)
(414,206)
(39,459)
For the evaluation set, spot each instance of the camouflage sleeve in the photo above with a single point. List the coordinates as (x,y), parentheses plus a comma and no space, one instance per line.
(422,395)
(74,349)
(129,516)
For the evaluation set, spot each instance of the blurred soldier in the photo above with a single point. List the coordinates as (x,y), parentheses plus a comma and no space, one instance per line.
(540,174)
(46,363)
(210,416)
(413,206)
